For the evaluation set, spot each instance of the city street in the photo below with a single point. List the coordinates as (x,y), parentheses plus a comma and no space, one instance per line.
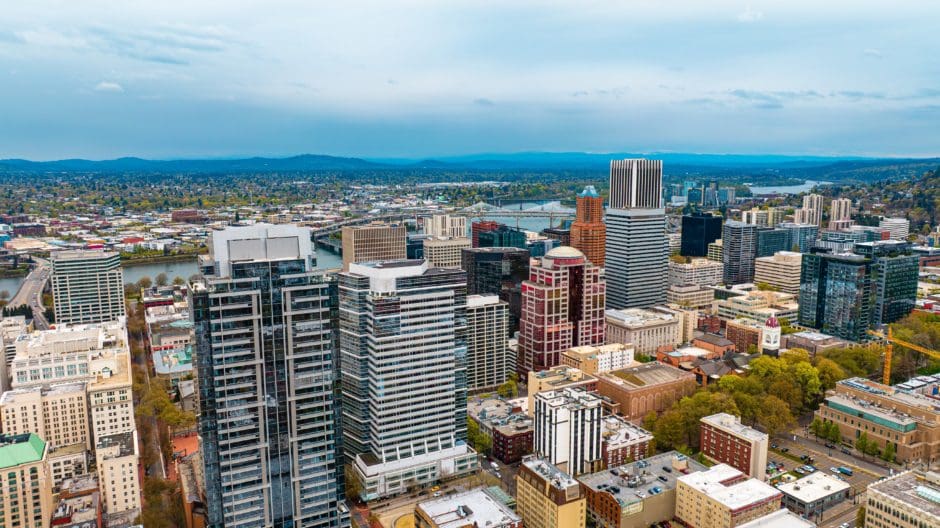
(30,293)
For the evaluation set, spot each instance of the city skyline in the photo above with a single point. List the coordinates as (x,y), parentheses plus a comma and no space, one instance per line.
(433,80)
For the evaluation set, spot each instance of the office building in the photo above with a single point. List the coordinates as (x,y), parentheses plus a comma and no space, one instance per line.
(118,473)
(446,226)
(802,235)
(561,233)
(474,508)
(646,330)
(479,227)
(813,494)
(725,439)
(373,242)
(568,430)
(908,499)
(781,271)
(716,251)
(698,231)
(636,235)
(723,496)
(268,420)
(836,295)
(26,486)
(555,379)
(488,362)
(895,270)
(588,232)
(770,241)
(403,346)
(547,497)
(498,271)
(562,307)
(593,360)
(690,296)
(414,246)
(640,493)
(897,228)
(840,210)
(501,237)
(695,271)
(906,419)
(59,413)
(443,252)
(758,306)
(739,241)
(651,387)
(87,286)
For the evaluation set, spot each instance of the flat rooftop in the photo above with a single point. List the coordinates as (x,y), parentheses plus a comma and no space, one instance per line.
(813,487)
(920,491)
(639,317)
(647,374)
(734,496)
(470,508)
(782,518)
(732,424)
(558,478)
(631,483)
(616,431)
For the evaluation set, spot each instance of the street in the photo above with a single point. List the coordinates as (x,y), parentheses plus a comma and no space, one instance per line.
(30,293)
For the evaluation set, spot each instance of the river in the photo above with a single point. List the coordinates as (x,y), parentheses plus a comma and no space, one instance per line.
(787,189)
(185,269)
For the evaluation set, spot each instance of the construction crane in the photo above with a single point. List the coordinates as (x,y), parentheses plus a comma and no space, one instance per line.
(890,341)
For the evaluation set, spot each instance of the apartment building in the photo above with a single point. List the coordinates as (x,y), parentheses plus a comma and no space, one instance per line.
(568,430)
(118,473)
(594,360)
(623,442)
(547,497)
(373,242)
(697,271)
(444,225)
(26,486)
(725,439)
(723,496)
(87,286)
(488,356)
(759,306)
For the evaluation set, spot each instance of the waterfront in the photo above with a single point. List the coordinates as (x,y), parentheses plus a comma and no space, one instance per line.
(11,285)
(188,268)
(787,189)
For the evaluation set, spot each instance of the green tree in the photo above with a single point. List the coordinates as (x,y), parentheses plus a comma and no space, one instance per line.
(829,373)
(816,427)
(889,452)
(861,444)
(775,416)
(860,516)
(144,283)
(670,431)
(807,377)
(835,434)
(179,281)
(509,389)
(162,279)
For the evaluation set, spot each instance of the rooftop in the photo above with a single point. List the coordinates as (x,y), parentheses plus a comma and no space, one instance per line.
(782,518)
(639,316)
(733,424)
(476,507)
(737,495)
(20,449)
(564,252)
(653,373)
(558,478)
(631,483)
(921,491)
(616,431)
(124,444)
(813,487)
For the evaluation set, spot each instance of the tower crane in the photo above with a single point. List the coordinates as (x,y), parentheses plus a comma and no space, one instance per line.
(890,341)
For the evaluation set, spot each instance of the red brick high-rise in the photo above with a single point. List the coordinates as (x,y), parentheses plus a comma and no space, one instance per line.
(588,232)
(562,306)
(481,227)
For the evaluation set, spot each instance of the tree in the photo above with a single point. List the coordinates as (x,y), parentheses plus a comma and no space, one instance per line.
(860,516)
(670,431)
(834,433)
(861,444)
(829,373)
(808,378)
(179,281)
(775,416)
(889,452)
(509,389)
(816,427)
(162,279)
(144,283)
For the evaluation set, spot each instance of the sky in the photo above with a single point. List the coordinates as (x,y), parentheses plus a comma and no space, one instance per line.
(413,79)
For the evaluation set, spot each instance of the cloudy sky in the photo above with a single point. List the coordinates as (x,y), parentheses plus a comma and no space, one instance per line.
(192,78)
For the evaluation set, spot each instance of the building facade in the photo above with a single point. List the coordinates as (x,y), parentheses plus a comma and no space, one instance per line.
(443,252)
(739,249)
(547,497)
(87,286)
(588,232)
(488,362)
(118,469)
(905,500)
(836,294)
(26,486)
(651,387)
(646,330)
(497,271)
(697,271)
(373,242)
(780,271)
(723,496)
(725,439)
(265,354)
(698,231)
(895,271)
(568,430)
(593,360)
(447,226)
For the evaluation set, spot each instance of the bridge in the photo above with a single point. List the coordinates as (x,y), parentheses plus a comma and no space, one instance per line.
(486,210)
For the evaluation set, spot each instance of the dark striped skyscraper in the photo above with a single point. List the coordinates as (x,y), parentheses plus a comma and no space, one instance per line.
(739,241)
(637,248)
(265,354)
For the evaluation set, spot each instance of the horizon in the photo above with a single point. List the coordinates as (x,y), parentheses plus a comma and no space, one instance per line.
(425,80)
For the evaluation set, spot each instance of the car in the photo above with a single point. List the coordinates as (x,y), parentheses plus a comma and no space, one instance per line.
(663,478)
(800,471)
(436,494)
(494,465)
(846,451)
(667,469)
(834,469)
(845,525)
(785,449)
(845,471)
(498,475)
(435,488)
(804,457)
(810,468)
(830,445)
(774,445)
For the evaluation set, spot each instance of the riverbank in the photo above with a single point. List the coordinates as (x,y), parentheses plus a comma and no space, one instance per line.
(158,259)
(15,273)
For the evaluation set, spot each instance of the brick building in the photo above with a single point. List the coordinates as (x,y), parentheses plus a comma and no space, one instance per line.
(725,439)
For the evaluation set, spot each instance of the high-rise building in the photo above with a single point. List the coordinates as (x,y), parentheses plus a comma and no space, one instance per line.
(26,487)
(547,497)
(87,286)
(265,356)
(588,232)
(698,231)
(562,307)
(442,252)
(488,361)
(898,228)
(497,271)
(646,329)
(802,235)
(118,468)
(443,225)
(763,217)
(908,499)
(502,236)
(716,251)
(568,430)
(836,294)
(403,349)
(59,413)
(480,227)
(636,184)
(725,439)
(770,241)
(840,210)
(739,249)
(373,242)
(812,210)
(895,270)
(780,271)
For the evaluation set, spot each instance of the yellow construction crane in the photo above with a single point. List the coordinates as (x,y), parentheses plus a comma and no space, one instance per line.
(890,340)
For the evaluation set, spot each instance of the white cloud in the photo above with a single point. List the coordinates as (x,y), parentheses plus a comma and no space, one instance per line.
(872,52)
(750,15)
(107,86)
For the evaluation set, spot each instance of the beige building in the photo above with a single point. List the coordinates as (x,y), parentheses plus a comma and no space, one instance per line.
(59,414)
(117,459)
(690,296)
(556,378)
(840,209)
(596,359)
(906,500)
(723,497)
(25,486)
(373,242)
(546,497)
(110,400)
(716,251)
(700,271)
(782,271)
(646,329)
(444,252)
(769,217)
(759,306)
(444,225)
(67,462)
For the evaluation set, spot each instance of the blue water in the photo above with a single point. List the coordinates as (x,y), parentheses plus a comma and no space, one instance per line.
(787,189)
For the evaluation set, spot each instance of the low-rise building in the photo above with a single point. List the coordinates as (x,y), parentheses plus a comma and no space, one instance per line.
(646,329)
(725,439)
(723,496)
(476,508)
(813,342)
(170,335)
(82,511)
(637,494)
(623,442)
(597,359)
(547,497)
(647,388)
(782,518)
(507,424)
(745,333)
(759,306)
(906,500)
(813,494)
